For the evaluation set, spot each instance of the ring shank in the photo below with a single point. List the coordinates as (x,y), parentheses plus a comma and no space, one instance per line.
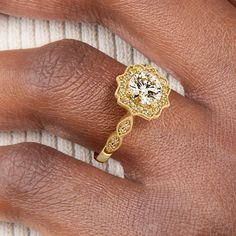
(114,141)
(103,156)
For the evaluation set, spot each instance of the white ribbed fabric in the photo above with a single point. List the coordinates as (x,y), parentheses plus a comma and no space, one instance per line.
(26,33)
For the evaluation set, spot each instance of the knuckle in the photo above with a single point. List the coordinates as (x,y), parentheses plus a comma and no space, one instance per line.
(23,167)
(63,79)
(61,71)
(54,65)
(30,178)
(59,77)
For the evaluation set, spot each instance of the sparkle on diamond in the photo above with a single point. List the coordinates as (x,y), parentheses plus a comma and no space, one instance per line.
(145,88)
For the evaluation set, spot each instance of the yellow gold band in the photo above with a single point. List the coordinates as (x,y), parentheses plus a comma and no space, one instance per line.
(114,141)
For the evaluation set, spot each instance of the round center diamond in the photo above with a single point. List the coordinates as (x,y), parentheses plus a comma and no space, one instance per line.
(145,88)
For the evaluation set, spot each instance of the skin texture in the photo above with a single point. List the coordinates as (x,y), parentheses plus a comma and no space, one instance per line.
(180,169)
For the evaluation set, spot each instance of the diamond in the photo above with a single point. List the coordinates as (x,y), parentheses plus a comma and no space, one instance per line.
(145,88)
(113,143)
(124,127)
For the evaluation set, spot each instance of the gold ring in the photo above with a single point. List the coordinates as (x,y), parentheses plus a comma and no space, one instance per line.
(143,92)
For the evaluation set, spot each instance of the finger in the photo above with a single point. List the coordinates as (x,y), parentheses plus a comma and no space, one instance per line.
(50,9)
(55,194)
(68,88)
(194,40)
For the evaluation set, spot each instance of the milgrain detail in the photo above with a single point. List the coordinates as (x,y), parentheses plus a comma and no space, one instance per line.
(23,33)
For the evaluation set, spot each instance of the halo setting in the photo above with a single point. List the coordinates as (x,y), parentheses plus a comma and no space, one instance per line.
(142,91)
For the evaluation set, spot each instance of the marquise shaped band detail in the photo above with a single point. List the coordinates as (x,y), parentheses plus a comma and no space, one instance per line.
(143,92)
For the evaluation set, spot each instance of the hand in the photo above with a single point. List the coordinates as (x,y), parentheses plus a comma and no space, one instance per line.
(180,170)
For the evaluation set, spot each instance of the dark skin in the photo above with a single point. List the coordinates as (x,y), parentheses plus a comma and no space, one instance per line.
(180,170)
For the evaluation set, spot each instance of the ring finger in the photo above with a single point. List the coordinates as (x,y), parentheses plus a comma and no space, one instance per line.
(68,88)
